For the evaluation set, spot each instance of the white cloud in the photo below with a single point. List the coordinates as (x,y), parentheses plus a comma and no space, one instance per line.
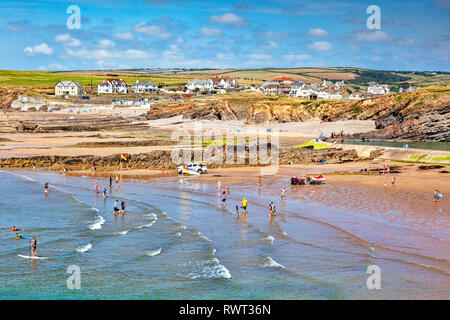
(152,30)
(230,19)
(42,48)
(270,45)
(259,56)
(103,54)
(272,35)
(124,36)
(318,32)
(105,43)
(321,46)
(211,32)
(406,42)
(296,57)
(225,56)
(67,40)
(372,36)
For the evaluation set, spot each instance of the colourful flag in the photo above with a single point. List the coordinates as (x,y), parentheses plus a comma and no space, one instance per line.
(123,156)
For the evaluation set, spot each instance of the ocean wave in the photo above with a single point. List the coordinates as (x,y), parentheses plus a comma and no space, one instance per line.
(269,239)
(97,224)
(84,248)
(151,216)
(148,225)
(207,269)
(203,237)
(268,262)
(154,252)
(178,234)
(122,233)
(94,209)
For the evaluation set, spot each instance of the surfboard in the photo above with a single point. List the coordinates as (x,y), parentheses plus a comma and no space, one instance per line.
(30,257)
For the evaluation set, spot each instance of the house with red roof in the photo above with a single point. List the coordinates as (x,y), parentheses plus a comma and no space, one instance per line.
(112,85)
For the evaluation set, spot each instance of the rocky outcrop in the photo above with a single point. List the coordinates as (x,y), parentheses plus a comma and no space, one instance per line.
(163,160)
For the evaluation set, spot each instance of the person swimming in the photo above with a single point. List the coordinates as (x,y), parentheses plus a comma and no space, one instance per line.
(15,229)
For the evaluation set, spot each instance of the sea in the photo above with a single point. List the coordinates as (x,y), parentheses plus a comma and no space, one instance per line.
(179,241)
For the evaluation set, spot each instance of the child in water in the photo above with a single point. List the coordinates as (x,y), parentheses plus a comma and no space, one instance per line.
(237,210)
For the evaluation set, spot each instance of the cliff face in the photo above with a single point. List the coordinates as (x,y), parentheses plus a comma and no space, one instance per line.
(420,115)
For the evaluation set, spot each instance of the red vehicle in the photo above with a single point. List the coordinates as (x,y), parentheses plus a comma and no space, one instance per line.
(307,180)
(297,181)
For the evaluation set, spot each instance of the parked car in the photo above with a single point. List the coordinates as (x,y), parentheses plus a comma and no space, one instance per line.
(196,167)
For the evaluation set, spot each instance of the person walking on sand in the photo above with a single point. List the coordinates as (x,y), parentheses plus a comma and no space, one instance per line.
(384,169)
(437,196)
(393,181)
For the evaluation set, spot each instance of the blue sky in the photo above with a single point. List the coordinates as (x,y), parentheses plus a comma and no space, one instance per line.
(414,35)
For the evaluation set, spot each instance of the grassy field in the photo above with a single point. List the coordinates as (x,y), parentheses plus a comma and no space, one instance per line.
(246,77)
(49,79)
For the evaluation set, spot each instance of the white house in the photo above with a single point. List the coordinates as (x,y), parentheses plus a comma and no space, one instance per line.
(409,89)
(144,86)
(202,85)
(376,88)
(112,86)
(69,88)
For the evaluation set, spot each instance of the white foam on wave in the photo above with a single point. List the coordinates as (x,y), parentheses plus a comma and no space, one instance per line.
(94,209)
(207,269)
(152,216)
(122,233)
(85,248)
(154,252)
(270,263)
(97,224)
(178,234)
(203,237)
(148,225)
(269,239)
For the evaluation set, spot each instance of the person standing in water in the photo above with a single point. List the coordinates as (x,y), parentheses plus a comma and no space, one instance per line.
(237,210)
(96,187)
(123,207)
(272,209)
(224,195)
(110,182)
(104,192)
(244,206)
(117,182)
(46,187)
(283,193)
(219,187)
(116,207)
(33,247)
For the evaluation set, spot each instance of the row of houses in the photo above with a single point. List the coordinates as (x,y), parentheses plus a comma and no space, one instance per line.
(107,86)
(325,90)
(213,83)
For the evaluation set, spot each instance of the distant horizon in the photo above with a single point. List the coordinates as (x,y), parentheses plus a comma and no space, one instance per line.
(206,69)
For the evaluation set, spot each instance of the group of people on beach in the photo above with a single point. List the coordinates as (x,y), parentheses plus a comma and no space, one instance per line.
(223,191)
